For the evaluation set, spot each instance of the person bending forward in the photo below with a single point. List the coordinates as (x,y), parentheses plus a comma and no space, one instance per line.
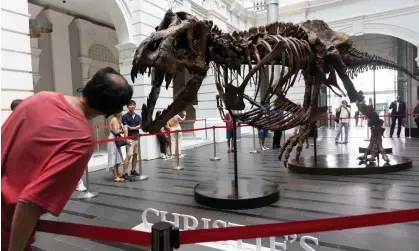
(46,145)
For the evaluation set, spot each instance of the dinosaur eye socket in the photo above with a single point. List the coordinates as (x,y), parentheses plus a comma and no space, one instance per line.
(155,44)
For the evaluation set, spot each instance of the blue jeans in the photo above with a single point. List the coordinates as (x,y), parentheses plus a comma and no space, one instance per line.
(342,124)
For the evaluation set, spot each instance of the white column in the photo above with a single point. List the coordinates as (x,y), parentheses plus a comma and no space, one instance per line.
(61,58)
(85,64)
(34,11)
(16,67)
(35,53)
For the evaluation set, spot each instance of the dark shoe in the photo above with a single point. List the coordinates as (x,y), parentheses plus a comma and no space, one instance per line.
(125,176)
(134,173)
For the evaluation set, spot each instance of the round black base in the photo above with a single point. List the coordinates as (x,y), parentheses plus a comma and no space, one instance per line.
(388,150)
(345,164)
(252,193)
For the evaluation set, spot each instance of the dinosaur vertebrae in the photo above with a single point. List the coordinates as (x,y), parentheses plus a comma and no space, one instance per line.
(362,62)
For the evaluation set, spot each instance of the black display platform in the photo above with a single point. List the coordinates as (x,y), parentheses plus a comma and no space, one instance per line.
(345,164)
(252,193)
(389,150)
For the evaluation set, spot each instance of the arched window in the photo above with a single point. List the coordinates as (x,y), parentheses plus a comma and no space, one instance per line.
(102,53)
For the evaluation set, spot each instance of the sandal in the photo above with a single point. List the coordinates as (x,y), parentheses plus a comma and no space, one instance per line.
(118,179)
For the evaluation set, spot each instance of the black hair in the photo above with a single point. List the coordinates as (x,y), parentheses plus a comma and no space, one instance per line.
(15,103)
(131,102)
(107,92)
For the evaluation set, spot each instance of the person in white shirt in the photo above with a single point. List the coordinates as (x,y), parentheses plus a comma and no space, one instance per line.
(174,124)
(343,114)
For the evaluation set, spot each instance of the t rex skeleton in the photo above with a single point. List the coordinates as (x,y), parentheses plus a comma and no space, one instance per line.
(311,49)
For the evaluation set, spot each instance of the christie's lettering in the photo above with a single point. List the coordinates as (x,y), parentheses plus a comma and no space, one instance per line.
(190,223)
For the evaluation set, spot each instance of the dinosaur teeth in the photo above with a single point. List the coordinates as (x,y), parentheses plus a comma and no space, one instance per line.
(168,79)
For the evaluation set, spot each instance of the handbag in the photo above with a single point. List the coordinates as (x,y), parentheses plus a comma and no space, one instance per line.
(119,143)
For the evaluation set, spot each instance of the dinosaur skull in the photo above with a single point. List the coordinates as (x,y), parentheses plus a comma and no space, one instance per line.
(179,42)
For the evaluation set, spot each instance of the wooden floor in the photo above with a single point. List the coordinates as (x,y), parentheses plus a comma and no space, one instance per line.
(302,197)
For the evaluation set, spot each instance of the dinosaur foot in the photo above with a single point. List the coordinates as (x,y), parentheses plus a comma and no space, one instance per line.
(298,139)
(375,147)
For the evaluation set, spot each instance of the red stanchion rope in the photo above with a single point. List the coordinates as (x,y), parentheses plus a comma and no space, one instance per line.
(95,232)
(298,227)
(160,133)
(320,119)
(232,233)
(219,127)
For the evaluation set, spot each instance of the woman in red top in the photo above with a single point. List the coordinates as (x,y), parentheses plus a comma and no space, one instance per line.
(229,132)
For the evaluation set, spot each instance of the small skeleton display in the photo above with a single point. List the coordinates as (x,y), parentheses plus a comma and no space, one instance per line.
(310,49)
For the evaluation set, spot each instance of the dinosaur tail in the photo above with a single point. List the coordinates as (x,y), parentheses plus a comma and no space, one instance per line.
(359,62)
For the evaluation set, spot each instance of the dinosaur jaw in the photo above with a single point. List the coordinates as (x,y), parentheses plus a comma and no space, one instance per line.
(179,43)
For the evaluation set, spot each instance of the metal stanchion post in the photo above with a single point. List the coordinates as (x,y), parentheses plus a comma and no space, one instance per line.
(206,133)
(410,125)
(140,165)
(164,237)
(330,120)
(97,145)
(215,158)
(315,148)
(87,194)
(314,134)
(254,143)
(178,167)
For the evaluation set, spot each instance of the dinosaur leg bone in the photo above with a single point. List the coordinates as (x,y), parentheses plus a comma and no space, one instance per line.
(375,146)
(183,99)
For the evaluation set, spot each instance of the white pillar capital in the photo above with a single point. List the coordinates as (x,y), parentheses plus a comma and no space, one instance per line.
(126,50)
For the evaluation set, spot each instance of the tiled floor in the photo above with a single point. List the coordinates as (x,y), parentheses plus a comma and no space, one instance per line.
(302,197)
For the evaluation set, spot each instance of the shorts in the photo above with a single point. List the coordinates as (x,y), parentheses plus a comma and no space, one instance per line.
(229,134)
(132,147)
(262,133)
